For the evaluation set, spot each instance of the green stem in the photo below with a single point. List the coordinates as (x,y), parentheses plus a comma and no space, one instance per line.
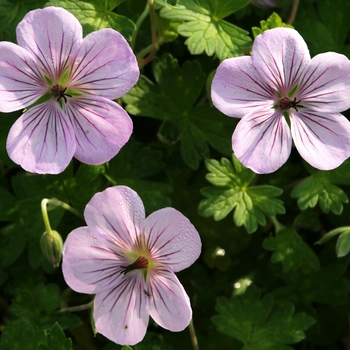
(77,308)
(138,24)
(57,203)
(193,336)
(293,12)
(44,204)
(277,224)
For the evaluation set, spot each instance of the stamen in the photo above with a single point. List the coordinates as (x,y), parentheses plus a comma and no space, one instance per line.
(59,92)
(140,263)
(286,103)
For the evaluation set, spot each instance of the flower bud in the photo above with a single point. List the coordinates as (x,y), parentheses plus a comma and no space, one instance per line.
(51,246)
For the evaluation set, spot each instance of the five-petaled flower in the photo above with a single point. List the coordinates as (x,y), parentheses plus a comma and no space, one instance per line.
(129,261)
(69,84)
(282,94)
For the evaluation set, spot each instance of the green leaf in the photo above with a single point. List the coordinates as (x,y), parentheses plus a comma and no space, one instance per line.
(172,101)
(274,21)
(135,166)
(343,244)
(329,28)
(251,203)
(56,340)
(39,307)
(20,335)
(95,14)
(11,13)
(317,189)
(203,25)
(258,324)
(292,252)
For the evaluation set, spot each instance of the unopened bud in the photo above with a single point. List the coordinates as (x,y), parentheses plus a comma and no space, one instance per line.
(51,245)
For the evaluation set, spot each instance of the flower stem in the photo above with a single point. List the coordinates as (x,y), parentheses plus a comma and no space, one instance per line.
(293,12)
(152,14)
(138,25)
(277,224)
(77,308)
(193,336)
(46,220)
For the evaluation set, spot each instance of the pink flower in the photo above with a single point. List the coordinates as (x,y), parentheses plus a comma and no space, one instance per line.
(282,94)
(129,261)
(68,82)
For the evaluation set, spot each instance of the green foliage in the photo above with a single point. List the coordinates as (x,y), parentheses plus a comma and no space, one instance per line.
(94,15)
(292,252)
(330,25)
(11,13)
(273,21)
(56,340)
(260,324)
(134,167)
(343,242)
(38,307)
(320,190)
(205,28)
(251,204)
(173,100)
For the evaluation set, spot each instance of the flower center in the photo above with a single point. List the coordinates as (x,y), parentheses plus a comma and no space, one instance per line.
(286,103)
(140,263)
(59,92)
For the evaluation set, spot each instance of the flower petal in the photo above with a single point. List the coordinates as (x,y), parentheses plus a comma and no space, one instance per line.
(42,140)
(262,141)
(325,83)
(116,215)
(101,128)
(104,65)
(322,139)
(121,314)
(280,55)
(50,34)
(88,265)
(172,239)
(20,83)
(237,88)
(169,304)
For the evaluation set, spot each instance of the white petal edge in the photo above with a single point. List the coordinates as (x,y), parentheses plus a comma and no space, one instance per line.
(122,313)
(116,215)
(88,265)
(280,56)
(322,139)
(42,140)
(169,303)
(104,65)
(325,83)
(21,83)
(172,240)
(50,34)
(262,141)
(237,88)
(101,128)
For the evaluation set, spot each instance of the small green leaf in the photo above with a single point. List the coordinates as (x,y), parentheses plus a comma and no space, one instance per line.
(203,25)
(56,340)
(94,15)
(273,21)
(316,189)
(329,235)
(233,192)
(292,252)
(258,323)
(343,244)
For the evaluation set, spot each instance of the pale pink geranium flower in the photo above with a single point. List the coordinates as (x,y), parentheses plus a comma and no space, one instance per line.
(282,94)
(129,261)
(68,84)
